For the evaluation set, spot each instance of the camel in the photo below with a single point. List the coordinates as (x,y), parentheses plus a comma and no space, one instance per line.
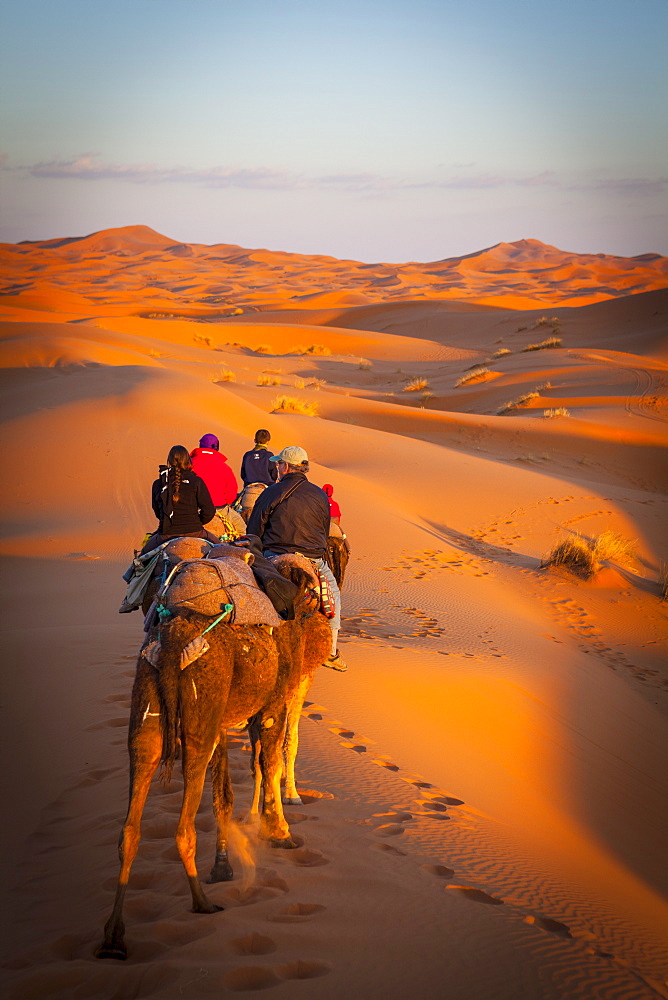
(242,672)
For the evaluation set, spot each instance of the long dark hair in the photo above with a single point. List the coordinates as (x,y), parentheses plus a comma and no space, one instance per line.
(178,461)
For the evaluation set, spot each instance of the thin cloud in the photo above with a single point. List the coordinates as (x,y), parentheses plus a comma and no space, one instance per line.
(90,167)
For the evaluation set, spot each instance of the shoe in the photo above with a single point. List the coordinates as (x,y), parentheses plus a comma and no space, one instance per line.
(126,608)
(336,662)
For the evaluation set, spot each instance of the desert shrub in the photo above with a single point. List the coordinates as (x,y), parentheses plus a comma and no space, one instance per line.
(560,411)
(364,365)
(237,312)
(502,351)
(544,344)
(663,581)
(574,554)
(583,556)
(611,547)
(290,404)
(425,397)
(516,404)
(201,338)
(474,375)
(226,376)
(543,385)
(268,380)
(416,385)
(316,383)
(320,349)
(262,349)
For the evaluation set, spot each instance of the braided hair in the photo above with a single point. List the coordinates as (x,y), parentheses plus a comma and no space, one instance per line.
(178,462)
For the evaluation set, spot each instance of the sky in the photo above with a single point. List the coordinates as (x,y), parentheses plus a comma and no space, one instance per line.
(373,130)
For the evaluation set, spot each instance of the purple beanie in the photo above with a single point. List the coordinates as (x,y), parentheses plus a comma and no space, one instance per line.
(209,441)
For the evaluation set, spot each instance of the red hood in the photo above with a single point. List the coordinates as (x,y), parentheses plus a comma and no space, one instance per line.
(207,451)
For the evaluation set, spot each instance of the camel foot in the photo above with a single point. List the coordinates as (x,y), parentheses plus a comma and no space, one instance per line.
(112,951)
(207,907)
(293,801)
(285,843)
(221,872)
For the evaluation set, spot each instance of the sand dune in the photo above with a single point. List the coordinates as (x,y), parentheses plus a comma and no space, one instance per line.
(484,803)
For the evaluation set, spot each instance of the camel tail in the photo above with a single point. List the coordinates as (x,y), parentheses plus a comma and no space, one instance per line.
(172,640)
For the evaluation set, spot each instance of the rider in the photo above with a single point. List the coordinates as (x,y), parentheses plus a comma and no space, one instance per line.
(293,516)
(257,472)
(211,466)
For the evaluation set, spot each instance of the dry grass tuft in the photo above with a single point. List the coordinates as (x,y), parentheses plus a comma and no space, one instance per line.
(559,411)
(551,342)
(320,349)
(584,557)
(516,404)
(226,376)
(663,581)
(364,365)
(474,375)
(502,351)
(611,547)
(574,554)
(416,385)
(268,380)
(201,338)
(262,349)
(425,397)
(290,404)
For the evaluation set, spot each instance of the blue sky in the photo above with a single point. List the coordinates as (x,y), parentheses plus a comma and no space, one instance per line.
(374,130)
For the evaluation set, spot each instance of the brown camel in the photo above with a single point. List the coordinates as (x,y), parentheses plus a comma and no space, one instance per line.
(247,672)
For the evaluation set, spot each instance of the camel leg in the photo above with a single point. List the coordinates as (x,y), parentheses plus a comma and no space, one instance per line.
(195,762)
(291,742)
(223,799)
(273,826)
(256,770)
(145,746)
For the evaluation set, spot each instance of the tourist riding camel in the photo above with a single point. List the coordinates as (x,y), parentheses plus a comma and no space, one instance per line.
(211,466)
(257,472)
(293,516)
(182,504)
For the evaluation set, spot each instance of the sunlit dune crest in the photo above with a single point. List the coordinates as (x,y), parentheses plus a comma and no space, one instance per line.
(483,802)
(209,280)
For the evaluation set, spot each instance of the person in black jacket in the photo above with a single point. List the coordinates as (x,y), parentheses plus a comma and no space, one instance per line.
(293,516)
(182,504)
(181,501)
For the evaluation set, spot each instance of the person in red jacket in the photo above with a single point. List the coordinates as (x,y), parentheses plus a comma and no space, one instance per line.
(212,467)
(334,509)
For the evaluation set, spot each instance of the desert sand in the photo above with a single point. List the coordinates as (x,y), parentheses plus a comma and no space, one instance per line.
(485,789)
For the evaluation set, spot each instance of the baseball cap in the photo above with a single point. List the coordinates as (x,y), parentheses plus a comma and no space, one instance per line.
(292,455)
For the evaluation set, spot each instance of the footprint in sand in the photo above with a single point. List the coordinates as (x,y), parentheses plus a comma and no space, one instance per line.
(307,858)
(440,871)
(389,830)
(250,977)
(301,969)
(550,925)
(297,913)
(308,795)
(292,818)
(477,895)
(253,944)
(240,896)
(386,765)
(395,816)
(389,849)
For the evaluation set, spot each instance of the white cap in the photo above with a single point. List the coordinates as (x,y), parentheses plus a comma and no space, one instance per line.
(292,455)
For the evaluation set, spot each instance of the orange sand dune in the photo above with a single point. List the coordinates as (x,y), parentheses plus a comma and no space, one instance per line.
(484,803)
(124,264)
